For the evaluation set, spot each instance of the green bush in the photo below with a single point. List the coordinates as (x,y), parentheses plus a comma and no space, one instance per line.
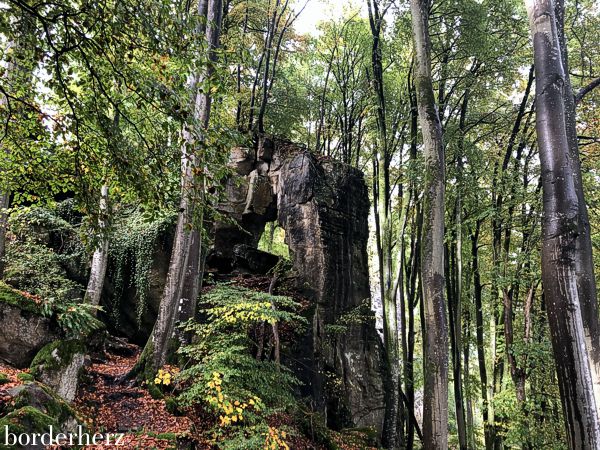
(224,374)
(34,266)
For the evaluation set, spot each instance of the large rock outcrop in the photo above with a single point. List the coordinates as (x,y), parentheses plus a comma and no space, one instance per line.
(323,207)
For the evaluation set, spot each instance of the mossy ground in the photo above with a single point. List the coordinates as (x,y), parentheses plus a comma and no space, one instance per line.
(13,297)
(25,377)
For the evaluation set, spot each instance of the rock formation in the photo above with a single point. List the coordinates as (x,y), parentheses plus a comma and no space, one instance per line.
(323,207)
(24,329)
(58,366)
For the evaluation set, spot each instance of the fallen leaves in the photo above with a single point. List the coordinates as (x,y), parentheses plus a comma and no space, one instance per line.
(11,373)
(116,407)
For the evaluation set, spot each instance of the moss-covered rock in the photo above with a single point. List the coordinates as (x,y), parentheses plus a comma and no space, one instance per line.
(35,408)
(56,355)
(44,399)
(4,378)
(23,328)
(58,365)
(14,297)
(25,420)
(25,377)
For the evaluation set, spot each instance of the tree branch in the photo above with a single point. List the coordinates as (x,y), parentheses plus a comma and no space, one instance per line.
(586,89)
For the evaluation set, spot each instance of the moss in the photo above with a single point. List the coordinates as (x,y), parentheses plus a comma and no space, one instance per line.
(172,405)
(25,377)
(50,402)
(13,297)
(55,355)
(4,378)
(24,420)
(154,391)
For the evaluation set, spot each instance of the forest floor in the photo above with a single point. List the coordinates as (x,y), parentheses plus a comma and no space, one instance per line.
(120,408)
(109,406)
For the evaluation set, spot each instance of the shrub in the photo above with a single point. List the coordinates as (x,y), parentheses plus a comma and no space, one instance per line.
(224,374)
(34,266)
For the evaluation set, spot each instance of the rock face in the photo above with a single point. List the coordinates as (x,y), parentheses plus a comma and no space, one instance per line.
(23,330)
(323,206)
(122,316)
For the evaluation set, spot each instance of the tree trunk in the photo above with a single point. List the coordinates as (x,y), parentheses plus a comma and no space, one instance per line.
(18,71)
(392,422)
(559,233)
(435,358)
(478,294)
(95,284)
(584,263)
(4,204)
(157,348)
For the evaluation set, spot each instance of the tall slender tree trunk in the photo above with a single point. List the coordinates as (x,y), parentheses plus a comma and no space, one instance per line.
(93,292)
(182,266)
(392,423)
(457,322)
(479,332)
(18,71)
(586,280)
(559,233)
(435,358)
(4,204)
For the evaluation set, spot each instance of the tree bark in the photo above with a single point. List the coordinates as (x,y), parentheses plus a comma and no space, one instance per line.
(4,204)
(95,284)
(478,297)
(157,348)
(584,262)
(19,69)
(382,209)
(435,358)
(560,229)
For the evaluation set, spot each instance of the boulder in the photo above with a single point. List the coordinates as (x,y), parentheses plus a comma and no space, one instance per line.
(58,365)
(23,328)
(34,408)
(252,260)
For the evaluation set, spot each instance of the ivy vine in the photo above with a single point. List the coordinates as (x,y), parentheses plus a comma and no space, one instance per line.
(132,248)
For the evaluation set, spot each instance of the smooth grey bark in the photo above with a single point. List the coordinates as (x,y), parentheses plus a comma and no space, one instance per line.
(93,291)
(157,348)
(4,194)
(455,315)
(560,229)
(586,280)
(435,342)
